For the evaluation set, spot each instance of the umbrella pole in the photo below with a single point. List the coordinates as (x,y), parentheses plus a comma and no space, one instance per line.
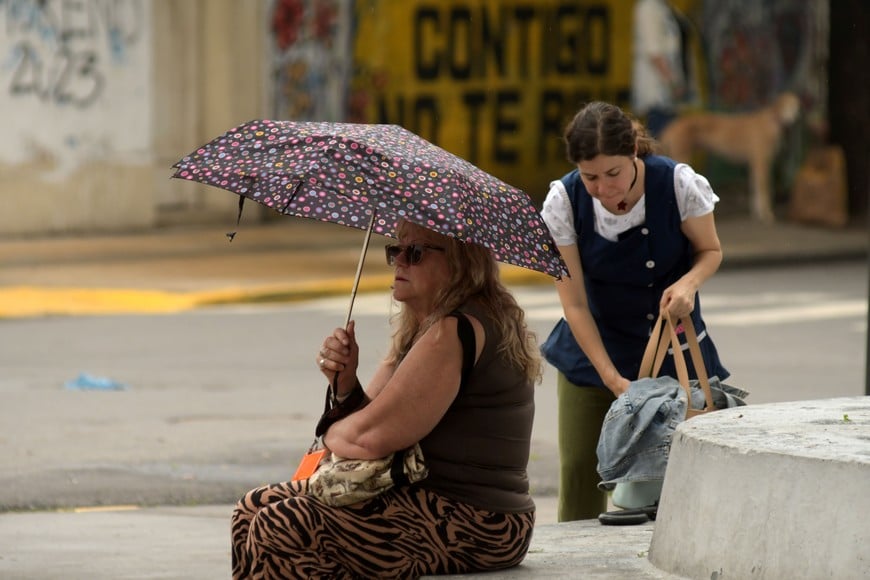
(359,267)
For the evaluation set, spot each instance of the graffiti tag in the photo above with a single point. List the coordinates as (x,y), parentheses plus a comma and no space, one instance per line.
(58,51)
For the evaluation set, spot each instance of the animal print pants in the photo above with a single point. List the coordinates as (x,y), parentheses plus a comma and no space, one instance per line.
(278,532)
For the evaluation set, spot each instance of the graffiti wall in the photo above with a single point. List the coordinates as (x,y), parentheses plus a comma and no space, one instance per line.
(74,80)
(492,81)
(310,49)
(792,36)
(754,52)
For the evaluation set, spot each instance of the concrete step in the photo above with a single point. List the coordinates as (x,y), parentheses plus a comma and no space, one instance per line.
(768,491)
(585,549)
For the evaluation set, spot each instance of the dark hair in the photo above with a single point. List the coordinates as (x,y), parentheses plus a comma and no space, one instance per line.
(603,129)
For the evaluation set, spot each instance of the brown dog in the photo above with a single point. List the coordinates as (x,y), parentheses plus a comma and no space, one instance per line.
(751,139)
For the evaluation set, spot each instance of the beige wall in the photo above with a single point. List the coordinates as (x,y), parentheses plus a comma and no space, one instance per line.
(76,116)
(210,77)
(196,68)
(92,123)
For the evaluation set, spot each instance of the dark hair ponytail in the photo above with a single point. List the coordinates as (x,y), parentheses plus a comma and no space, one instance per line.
(600,128)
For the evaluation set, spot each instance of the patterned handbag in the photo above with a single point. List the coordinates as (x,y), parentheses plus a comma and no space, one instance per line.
(339,481)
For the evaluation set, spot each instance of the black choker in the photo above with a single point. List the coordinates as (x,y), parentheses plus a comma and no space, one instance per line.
(622,205)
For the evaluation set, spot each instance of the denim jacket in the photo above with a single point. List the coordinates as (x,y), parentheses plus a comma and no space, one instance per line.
(636,434)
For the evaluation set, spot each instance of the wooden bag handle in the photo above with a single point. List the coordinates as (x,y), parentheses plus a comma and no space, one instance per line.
(663,333)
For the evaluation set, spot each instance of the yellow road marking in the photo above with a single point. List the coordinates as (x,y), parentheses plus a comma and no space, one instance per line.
(103,508)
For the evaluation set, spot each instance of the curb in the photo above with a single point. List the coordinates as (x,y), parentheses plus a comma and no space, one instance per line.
(35,301)
(32,301)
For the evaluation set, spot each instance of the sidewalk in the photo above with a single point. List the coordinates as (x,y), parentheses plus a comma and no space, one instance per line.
(126,542)
(174,269)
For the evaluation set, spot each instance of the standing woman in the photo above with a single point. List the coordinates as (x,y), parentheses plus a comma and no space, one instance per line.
(637,233)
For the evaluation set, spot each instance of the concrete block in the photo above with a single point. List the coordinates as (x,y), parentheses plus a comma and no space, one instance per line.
(768,492)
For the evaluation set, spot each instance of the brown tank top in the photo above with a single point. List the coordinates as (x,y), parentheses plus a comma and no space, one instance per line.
(479,451)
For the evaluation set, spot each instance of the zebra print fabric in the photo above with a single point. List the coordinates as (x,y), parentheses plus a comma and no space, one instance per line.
(279,532)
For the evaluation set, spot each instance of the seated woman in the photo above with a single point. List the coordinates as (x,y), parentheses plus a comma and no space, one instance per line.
(473,512)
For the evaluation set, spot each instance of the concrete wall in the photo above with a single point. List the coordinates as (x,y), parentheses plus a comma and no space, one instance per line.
(153,79)
(211,75)
(75,106)
(98,99)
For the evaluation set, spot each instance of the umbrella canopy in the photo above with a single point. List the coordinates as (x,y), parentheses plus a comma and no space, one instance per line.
(371,176)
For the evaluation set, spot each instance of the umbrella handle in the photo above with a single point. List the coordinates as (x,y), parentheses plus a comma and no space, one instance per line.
(359,267)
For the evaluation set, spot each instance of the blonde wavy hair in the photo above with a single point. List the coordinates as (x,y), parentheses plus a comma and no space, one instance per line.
(473,277)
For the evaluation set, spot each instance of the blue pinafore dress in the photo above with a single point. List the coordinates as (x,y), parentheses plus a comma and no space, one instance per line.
(625,280)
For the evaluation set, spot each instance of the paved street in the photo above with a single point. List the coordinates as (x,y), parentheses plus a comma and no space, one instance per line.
(218,399)
(209,406)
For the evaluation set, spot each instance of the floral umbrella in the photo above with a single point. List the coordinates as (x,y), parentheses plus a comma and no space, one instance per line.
(370,176)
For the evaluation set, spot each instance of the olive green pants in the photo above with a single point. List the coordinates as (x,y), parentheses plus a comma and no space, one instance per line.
(581,414)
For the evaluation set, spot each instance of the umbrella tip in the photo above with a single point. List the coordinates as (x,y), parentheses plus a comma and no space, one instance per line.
(230,235)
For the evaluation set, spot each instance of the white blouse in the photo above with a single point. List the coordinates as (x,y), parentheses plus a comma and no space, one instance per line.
(695,198)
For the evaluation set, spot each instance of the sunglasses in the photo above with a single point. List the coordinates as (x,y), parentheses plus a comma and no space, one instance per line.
(411,254)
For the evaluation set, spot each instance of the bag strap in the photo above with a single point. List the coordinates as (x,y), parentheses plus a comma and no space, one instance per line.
(656,343)
(397,468)
(700,368)
(664,333)
(334,411)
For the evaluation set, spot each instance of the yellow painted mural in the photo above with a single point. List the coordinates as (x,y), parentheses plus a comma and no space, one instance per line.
(492,81)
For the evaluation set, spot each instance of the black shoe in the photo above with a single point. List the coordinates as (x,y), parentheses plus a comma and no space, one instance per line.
(629,517)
